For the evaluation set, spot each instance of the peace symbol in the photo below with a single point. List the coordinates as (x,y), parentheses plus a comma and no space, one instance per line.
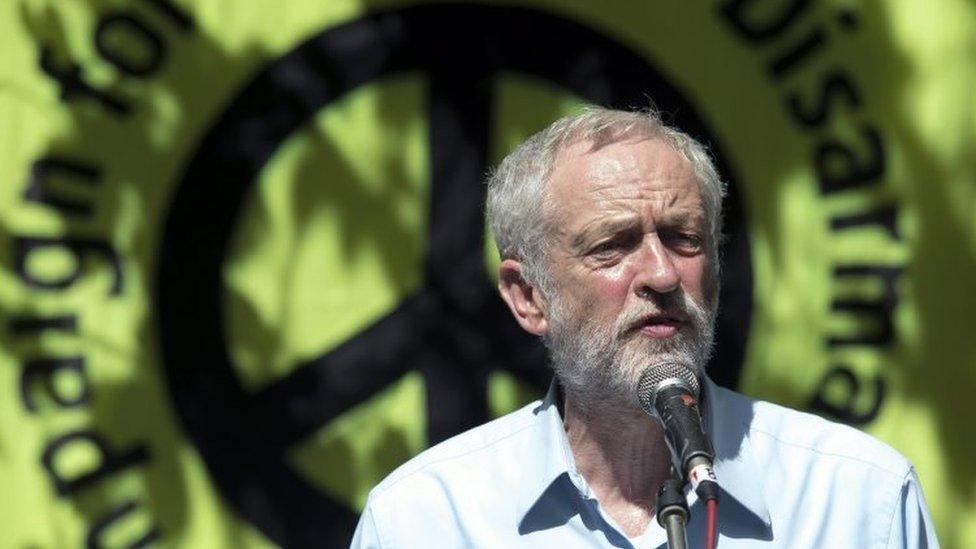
(454,330)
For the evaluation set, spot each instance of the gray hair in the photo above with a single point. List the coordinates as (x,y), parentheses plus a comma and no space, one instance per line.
(518,197)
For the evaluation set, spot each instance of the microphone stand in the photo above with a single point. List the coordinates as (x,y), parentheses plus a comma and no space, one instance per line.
(673,513)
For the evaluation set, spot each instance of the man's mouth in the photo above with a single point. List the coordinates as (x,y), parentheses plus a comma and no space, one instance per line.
(660,326)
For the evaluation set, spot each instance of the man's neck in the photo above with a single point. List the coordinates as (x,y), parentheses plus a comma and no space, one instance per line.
(623,457)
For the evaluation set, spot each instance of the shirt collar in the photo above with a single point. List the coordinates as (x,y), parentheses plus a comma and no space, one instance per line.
(553,458)
(728,416)
(727,419)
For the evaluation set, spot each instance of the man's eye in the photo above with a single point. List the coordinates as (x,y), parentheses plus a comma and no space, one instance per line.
(689,243)
(612,247)
(604,249)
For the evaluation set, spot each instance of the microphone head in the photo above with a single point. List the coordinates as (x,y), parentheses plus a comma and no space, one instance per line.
(664,374)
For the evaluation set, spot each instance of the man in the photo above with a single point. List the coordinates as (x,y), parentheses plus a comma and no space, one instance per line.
(608,224)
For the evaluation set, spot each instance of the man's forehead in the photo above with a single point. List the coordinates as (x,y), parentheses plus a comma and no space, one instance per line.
(605,168)
(580,170)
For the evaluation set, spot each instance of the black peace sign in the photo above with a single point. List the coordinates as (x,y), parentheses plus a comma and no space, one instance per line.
(454,330)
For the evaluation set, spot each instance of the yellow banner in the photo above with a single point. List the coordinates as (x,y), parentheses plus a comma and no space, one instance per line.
(244,271)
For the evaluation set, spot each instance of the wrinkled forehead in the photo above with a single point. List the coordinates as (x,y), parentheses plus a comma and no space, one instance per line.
(606,169)
(582,171)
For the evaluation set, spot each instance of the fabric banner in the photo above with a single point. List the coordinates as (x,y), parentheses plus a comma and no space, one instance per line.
(244,271)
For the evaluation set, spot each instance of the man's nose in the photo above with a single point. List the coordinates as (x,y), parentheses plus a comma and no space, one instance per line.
(656,271)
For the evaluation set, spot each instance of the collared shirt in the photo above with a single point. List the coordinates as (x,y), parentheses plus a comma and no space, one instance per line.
(788,479)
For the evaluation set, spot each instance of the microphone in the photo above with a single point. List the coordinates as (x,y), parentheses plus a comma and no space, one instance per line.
(668,392)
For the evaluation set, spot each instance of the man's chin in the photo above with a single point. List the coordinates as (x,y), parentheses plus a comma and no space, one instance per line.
(641,356)
(655,350)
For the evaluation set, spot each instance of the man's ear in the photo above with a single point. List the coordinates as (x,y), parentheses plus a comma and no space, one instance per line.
(523,300)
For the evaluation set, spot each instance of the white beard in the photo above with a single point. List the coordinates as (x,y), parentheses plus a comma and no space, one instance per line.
(600,366)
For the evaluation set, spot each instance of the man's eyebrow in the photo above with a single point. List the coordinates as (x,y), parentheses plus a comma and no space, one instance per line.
(609,227)
(681,218)
(602,228)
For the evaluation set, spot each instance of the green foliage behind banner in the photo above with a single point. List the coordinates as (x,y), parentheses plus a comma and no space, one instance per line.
(211,209)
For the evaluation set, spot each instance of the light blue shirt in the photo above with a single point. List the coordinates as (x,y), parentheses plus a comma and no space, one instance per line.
(788,479)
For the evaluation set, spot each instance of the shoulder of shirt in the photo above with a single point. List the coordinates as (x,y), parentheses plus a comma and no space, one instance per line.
(465,446)
(819,437)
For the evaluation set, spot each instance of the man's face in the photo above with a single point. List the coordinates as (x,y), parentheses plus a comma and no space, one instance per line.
(628,266)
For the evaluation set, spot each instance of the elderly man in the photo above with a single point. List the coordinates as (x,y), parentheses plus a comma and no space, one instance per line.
(608,224)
